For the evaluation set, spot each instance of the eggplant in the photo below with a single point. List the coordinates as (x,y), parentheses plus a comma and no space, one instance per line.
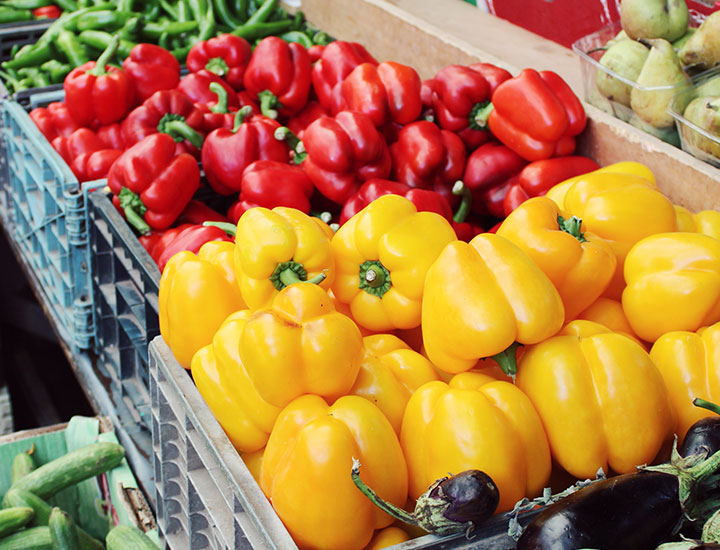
(704,435)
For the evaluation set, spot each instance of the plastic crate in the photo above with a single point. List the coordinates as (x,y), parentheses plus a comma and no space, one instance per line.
(206,496)
(21,33)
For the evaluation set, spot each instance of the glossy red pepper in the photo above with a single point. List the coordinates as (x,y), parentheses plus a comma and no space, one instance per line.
(492,74)
(98,92)
(270,183)
(47,12)
(217,115)
(197,87)
(338,60)
(94,165)
(342,152)
(44,121)
(238,208)
(226,153)
(278,75)
(188,237)
(312,111)
(388,92)
(538,177)
(152,184)
(151,68)
(225,55)
(537,115)
(515,196)
(112,136)
(54,120)
(315,52)
(82,140)
(487,168)
(197,213)
(491,201)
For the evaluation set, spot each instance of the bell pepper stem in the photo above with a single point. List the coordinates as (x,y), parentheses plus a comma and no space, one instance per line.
(572,226)
(180,131)
(105,57)
(290,273)
(289,277)
(218,66)
(229,228)
(240,117)
(134,209)
(222,102)
(387,507)
(374,278)
(459,188)
(506,359)
(480,114)
(269,104)
(698,402)
(295,143)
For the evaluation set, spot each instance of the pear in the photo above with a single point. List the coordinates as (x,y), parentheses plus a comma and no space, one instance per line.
(622,35)
(666,19)
(625,58)
(661,69)
(668,134)
(680,42)
(702,50)
(710,87)
(704,112)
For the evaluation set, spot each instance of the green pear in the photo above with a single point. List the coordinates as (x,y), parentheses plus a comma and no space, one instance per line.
(666,19)
(710,87)
(680,42)
(622,35)
(669,134)
(704,112)
(702,50)
(625,58)
(662,70)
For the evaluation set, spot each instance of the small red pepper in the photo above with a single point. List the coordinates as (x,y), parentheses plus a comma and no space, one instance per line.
(188,237)
(82,140)
(197,213)
(226,153)
(388,92)
(537,115)
(151,68)
(112,136)
(270,183)
(44,121)
(152,184)
(95,91)
(226,56)
(515,196)
(338,60)
(315,52)
(278,75)
(538,177)
(47,12)
(94,165)
(492,74)
(238,208)
(197,87)
(54,120)
(312,111)
(491,201)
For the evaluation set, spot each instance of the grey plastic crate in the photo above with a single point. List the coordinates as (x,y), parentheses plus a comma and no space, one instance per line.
(206,496)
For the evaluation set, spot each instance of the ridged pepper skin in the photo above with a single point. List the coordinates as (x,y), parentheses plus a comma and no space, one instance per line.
(306,465)
(225,55)
(53,120)
(196,86)
(259,185)
(95,165)
(610,313)
(277,248)
(389,374)
(223,382)
(706,222)
(151,69)
(190,237)
(475,422)
(601,399)
(381,257)
(342,152)
(578,263)
(481,297)
(278,76)
(299,345)
(673,283)
(196,294)
(690,366)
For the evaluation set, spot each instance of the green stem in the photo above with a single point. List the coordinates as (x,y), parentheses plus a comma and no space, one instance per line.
(387,507)
(268,104)
(292,272)
(240,116)
(698,402)
(295,143)
(105,57)
(572,226)
(229,228)
(134,209)
(459,188)
(180,131)
(507,360)
(222,102)
(480,114)
(217,66)
(374,278)
(289,277)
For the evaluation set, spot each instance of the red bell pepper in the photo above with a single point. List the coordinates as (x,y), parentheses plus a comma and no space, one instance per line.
(152,184)
(151,68)
(338,60)
(197,213)
(197,87)
(188,237)
(278,75)
(491,201)
(515,196)
(342,152)
(388,92)
(226,153)
(315,52)
(538,177)
(238,208)
(94,165)
(54,120)
(312,111)
(487,168)
(492,74)
(225,55)
(112,136)
(95,91)
(47,12)
(269,183)
(82,140)
(537,115)
(217,115)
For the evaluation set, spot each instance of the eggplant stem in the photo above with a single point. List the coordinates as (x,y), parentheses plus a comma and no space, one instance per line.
(387,507)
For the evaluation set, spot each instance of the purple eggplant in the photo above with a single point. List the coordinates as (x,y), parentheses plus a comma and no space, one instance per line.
(704,434)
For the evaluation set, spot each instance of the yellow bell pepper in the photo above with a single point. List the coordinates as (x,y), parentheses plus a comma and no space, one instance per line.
(480,298)
(673,283)
(300,345)
(706,222)
(306,471)
(253,461)
(382,254)
(279,247)
(602,401)
(475,422)
(690,365)
(578,263)
(196,294)
(389,374)
(609,313)
(387,537)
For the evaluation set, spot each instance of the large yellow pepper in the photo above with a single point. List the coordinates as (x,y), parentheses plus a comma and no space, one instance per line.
(609,313)
(673,283)
(475,422)
(690,365)
(602,401)
(389,374)
(306,471)
(381,255)
(578,263)
(706,222)
(226,387)
(279,247)
(480,298)
(197,293)
(301,345)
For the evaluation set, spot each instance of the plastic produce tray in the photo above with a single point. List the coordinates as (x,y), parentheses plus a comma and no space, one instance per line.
(206,496)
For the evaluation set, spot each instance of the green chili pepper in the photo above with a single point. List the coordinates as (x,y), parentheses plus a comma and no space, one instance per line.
(68,21)
(125,5)
(262,13)
(183,11)
(38,78)
(25,4)
(106,20)
(36,55)
(297,36)
(151,11)
(132,29)
(172,11)
(298,21)
(12,15)
(73,50)
(322,38)
(154,30)
(225,15)
(101,40)
(164,41)
(240,8)
(261,30)
(66,5)
(23,84)
(56,70)
(14,50)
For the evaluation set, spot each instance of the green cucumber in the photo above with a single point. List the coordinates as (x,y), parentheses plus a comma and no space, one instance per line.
(63,533)
(18,497)
(78,465)
(22,465)
(13,519)
(127,537)
(35,538)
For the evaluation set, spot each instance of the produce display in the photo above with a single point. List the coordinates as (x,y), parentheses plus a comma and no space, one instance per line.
(13,11)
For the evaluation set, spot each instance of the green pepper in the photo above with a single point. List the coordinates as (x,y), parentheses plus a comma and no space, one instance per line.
(38,78)
(151,11)
(172,11)
(56,70)
(261,30)
(240,8)
(322,38)
(108,20)
(225,15)
(73,50)
(25,4)
(297,36)
(12,15)
(132,29)
(155,30)
(263,12)
(66,5)
(35,55)
(101,40)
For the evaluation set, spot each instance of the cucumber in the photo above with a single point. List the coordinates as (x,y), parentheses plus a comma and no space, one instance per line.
(69,469)
(127,537)
(62,531)
(22,465)
(35,538)
(18,497)
(13,519)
